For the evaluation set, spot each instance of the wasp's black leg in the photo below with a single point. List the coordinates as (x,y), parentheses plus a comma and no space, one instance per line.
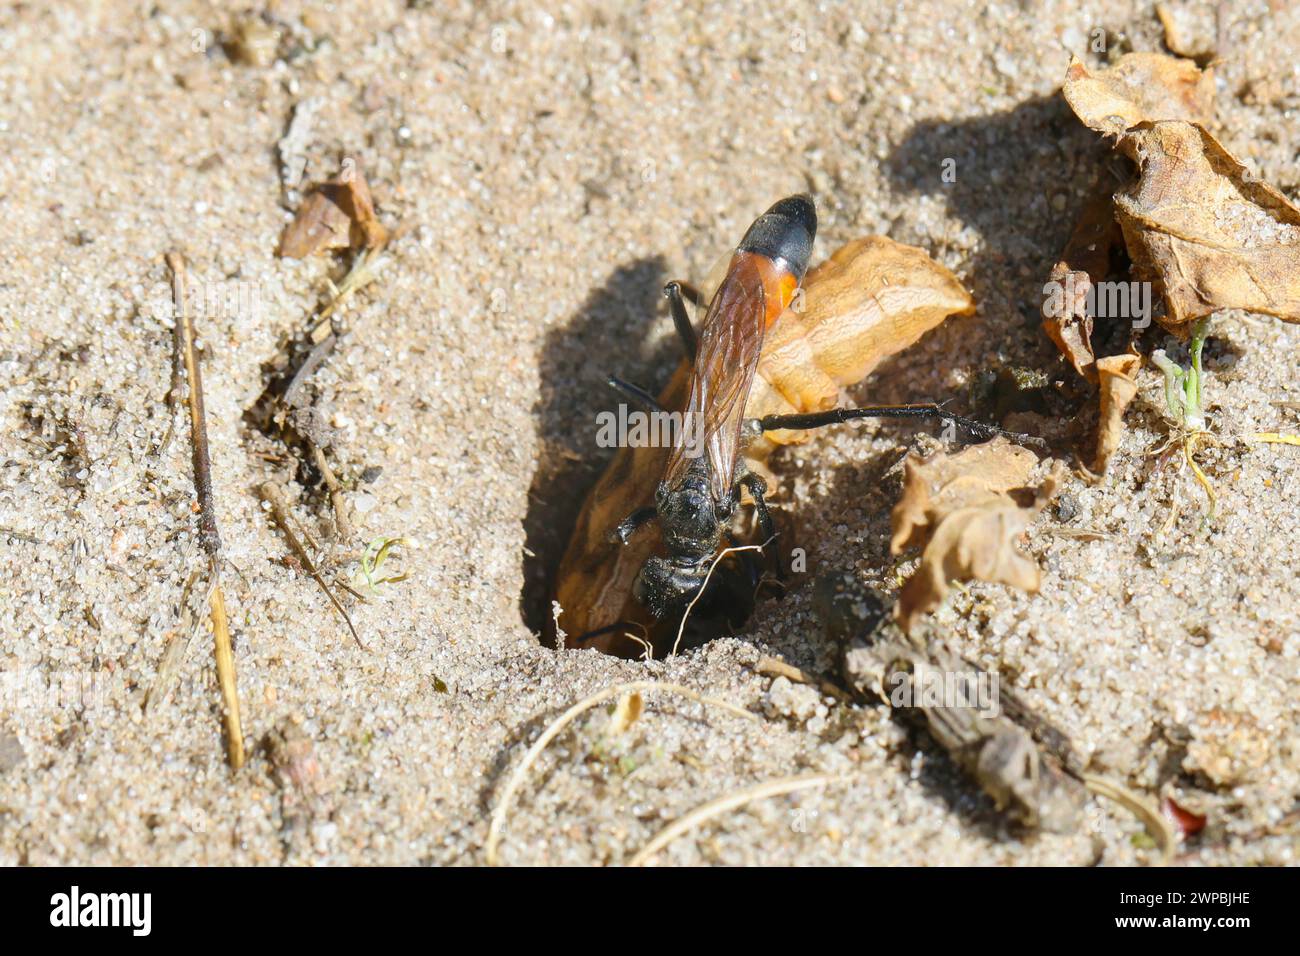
(635,394)
(834,416)
(695,295)
(685,331)
(752,568)
(629,525)
(757,489)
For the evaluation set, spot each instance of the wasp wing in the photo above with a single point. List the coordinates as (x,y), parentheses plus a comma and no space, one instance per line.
(729,347)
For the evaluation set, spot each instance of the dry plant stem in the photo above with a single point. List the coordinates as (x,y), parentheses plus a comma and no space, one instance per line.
(209,538)
(272,495)
(517,778)
(1156,825)
(1276,438)
(360,275)
(337,502)
(314,358)
(728,802)
(1190,445)
(176,394)
(225,654)
(772,667)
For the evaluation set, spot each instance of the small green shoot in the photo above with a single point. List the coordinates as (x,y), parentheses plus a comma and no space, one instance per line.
(1183,386)
(1184,397)
(370,574)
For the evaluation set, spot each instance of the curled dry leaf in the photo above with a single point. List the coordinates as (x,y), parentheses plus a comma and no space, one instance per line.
(338,214)
(1210,233)
(1196,221)
(1118,377)
(1069,302)
(958,508)
(871,299)
(1141,88)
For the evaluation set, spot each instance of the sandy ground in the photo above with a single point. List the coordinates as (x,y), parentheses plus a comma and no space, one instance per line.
(554,170)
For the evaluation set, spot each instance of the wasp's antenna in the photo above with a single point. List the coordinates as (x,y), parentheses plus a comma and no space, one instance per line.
(635,394)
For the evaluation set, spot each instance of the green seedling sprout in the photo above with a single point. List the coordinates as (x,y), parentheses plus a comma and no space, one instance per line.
(372,563)
(1184,397)
(1183,386)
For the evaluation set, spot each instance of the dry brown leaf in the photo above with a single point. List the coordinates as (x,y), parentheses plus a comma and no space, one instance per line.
(1139,88)
(934,486)
(1211,234)
(339,214)
(1196,222)
(873,298)
(1118,376)
(959,509)
(1084,262)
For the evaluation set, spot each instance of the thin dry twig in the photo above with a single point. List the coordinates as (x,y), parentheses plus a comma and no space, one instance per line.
(339,504)
(516,780)
(1276,438)
(731,801)
(209,538)
(1190,446)
(362,272)
(774,667)
(1156,825)
(274,497)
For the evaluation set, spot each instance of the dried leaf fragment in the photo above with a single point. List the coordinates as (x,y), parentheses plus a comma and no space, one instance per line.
(1139,88)
(1202,225)
(935,486)
(626,713)
(1197,222)
(1118,377)
(958,508)
(339,214)
(871,299)
(1069,305)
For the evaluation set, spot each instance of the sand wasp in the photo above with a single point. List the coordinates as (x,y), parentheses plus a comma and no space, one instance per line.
(757,374)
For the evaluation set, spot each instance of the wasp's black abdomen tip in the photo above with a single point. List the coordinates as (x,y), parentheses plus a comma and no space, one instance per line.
(785,231)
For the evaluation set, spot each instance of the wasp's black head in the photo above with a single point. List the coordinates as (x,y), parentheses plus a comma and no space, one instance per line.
(664,586)
(786,231)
